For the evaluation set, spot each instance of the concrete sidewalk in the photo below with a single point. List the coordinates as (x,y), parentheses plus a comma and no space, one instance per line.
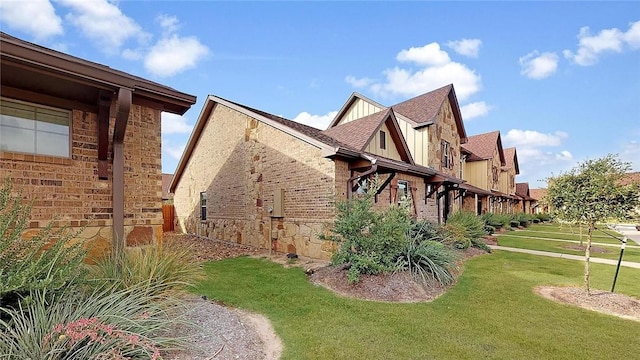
(566,256)
(629,231)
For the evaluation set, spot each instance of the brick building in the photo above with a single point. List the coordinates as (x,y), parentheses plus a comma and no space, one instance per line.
(258,179)
(81,141)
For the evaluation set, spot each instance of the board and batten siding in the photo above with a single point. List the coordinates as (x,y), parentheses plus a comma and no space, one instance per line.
(390,151)
(357,110)
(417,142)
(475,172)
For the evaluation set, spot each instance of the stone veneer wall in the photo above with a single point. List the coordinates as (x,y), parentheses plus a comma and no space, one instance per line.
(68,190)
(240,162)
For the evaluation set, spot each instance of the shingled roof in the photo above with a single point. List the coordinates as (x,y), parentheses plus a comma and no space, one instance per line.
(420,111)
(358,133)
(537,194)
(511,159)
(482,146)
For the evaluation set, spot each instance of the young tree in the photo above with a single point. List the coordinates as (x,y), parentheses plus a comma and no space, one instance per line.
(592,192)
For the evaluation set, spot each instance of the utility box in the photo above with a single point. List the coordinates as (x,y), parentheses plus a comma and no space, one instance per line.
(278,203)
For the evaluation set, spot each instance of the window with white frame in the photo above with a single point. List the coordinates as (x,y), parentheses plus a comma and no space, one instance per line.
(34,129)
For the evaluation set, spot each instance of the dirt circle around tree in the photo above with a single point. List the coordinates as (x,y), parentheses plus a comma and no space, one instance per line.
(601,301)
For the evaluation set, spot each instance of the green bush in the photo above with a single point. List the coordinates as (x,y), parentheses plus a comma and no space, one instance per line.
(466,230)
(162,268)
(422,230)
(48,260)
(429,260)
(543,217)
(106,323)
(370,241)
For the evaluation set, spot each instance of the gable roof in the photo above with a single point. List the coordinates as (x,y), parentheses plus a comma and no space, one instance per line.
(166,181)
(419,111)
(346,147)
(359,133)
(537,194)
(511,159)
(352,99)
(482,146)
(522,190)
(78,80)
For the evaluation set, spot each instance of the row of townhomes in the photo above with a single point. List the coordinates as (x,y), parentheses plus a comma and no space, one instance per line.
(258,179)
(82,142)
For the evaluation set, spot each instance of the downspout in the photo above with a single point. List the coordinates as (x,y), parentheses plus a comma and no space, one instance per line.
(123,108)
(372,169)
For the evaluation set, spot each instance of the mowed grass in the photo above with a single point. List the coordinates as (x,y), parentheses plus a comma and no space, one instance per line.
(554,231)
(552,238)
(612,252)
(492,312)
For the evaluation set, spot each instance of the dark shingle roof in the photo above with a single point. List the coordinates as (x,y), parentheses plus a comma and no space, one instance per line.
(522,189)
(511,159)
(482,146)
(358,133)
(424,108)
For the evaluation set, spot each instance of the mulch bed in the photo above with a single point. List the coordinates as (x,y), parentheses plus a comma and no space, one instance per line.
(594,249)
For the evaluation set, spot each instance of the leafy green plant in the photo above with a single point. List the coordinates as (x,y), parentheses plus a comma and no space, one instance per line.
(161,268)
(48,260)
(106,323)
(466,230)
(429,259)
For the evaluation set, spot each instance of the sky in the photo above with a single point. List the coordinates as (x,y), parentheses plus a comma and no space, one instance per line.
(559,80)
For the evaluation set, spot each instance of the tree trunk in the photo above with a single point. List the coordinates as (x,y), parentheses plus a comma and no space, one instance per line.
(587,255)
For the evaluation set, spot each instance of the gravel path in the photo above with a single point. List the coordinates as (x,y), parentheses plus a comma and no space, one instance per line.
(227,334)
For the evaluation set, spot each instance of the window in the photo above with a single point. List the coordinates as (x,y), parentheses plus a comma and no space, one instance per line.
(383,140)
(446,154)
(203,206)
(34,129)
(403,190)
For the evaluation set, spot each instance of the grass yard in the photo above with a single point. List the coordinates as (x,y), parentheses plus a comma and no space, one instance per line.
(550,237)
(491,312)
(554,231)
(612,252)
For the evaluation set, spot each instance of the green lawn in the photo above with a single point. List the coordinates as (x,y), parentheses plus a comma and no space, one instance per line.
(491,312)
(554,231)
(613,252)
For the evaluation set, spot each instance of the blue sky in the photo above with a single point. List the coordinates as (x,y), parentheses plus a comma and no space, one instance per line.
(560,80)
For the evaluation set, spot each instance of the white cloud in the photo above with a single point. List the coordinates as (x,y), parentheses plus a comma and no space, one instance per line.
(536,152)
(175,151)
(168,23)
(590,47)
(538,66)
(630,153)
(466,47)
(429,54)
(358,83)
(407,83)
(474,110)
(36,17)
(174,54)
(317,121)
(435,70)
(531,138)
(175,124)
(564,155)
(103,22)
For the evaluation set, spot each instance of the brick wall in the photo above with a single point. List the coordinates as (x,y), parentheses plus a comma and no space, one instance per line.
(68,189)
(240,163)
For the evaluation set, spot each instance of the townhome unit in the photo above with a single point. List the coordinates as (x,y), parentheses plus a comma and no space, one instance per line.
(254,178)
(81,142)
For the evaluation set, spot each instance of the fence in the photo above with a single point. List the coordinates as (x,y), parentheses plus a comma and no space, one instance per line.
(168,214)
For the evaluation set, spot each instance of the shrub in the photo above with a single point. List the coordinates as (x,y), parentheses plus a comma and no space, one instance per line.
(543,217)
(48,260)
(107,323)
(429,259)
(422,230)
(466,230)
(161,268)
(370,241)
